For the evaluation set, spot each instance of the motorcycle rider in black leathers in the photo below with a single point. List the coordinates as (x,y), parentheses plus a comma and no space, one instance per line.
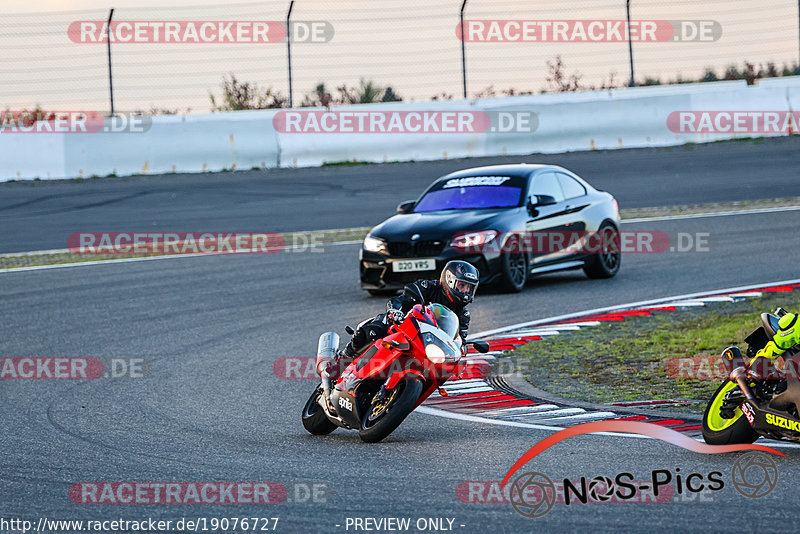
(454,289)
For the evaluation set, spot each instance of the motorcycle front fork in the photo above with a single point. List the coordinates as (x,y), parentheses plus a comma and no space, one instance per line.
(733,399)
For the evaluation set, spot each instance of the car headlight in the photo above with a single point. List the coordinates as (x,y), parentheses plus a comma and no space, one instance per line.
(473,241)
(373,244)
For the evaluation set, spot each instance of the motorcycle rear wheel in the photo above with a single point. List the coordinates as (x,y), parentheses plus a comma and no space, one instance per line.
(720,431)
(314,418)
(381,420)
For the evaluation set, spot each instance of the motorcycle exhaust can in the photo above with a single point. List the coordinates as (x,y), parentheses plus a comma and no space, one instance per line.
(326,350)
(732,359)
(737,370)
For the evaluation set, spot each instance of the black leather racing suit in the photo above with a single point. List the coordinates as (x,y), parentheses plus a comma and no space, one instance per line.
(378,327)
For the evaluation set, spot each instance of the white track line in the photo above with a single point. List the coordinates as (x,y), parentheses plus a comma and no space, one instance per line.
(749,295)
(619,307)
(130,260)
(718,299)
(456,388)
(687,303)
(96,262)
(711,214)
(469,382)
(502,412)
(338,243)
(549,414)
(483,389)
(427,410)
(583,417)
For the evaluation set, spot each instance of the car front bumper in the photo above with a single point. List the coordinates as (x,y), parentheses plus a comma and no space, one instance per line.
(377,274)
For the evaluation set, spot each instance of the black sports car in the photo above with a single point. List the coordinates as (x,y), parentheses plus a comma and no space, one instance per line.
(510,221)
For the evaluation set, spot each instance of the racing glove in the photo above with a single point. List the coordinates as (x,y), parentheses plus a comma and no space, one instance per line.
(395,316)
(770,350)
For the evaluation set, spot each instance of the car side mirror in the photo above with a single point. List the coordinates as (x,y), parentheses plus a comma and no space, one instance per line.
(543,200)
(537,201)
(407,206)
(480,346)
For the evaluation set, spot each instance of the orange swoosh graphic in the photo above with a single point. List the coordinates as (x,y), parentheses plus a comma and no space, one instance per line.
(632,427)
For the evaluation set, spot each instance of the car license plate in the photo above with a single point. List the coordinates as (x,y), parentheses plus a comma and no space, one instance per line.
(404,266)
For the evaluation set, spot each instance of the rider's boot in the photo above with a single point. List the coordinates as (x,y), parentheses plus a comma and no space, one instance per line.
(344,357)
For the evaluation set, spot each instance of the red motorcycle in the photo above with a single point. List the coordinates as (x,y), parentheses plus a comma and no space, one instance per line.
(390,378)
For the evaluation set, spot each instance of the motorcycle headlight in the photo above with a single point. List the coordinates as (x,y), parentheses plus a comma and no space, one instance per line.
(373,244)
(434,353)
(473,240)
(436,350)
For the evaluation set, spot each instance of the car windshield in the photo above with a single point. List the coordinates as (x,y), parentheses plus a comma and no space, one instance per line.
(445,319)
(473,192)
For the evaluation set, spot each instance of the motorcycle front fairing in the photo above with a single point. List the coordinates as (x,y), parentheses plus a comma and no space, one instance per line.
(389,360)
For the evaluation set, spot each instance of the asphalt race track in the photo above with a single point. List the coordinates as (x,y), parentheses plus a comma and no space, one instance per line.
(40,215)
(210,328)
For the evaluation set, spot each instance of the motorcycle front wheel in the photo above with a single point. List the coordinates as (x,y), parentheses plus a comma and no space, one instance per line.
(382,418)
(314,418)
(720,431)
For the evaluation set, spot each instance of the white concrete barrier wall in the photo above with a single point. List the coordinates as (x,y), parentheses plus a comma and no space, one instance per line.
(191,143)
(26,156)
(622,118)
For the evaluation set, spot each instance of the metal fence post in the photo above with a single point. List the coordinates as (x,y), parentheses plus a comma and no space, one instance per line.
(289,50)
(108,48)
(630,43)
(464,50)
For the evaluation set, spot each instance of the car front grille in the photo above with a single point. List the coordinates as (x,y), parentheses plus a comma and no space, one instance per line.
(400,249)
(415,249)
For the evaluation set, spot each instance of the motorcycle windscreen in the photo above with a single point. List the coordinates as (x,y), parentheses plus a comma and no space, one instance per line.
(446,320)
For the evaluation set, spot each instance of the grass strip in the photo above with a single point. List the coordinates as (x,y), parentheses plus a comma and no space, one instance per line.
(627,360)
